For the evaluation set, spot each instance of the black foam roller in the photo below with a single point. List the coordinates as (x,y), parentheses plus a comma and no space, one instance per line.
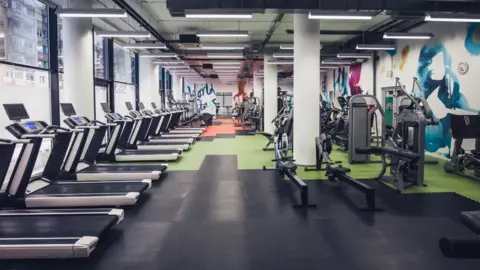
(460,248)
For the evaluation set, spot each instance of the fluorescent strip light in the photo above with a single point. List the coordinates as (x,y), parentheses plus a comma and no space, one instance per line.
(224,46)
(336,62)
(130,34)
(453,18)
(283,55)
(286,47)
(168,62)
(354,55)
(376,47)
(157,55)
(212,14)
(226,67)
(280,62)
(144,46)
(232,55)
(407,36)
(322,15)
(92,13)
(223,34)
(216,63)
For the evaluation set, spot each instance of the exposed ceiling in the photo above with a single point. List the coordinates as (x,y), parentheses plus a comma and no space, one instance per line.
(153,15)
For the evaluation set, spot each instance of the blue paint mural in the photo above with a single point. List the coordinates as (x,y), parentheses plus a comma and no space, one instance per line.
(472,40)
(340,81)
(435,73)
(326,102)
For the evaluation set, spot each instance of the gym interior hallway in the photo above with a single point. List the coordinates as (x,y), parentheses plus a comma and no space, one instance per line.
(216,209)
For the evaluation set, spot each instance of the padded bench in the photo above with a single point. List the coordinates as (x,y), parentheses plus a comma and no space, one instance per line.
(471,220)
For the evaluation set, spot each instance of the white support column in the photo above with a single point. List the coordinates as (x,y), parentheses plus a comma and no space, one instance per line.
(149,82)
(78,61)
(257,86)
(270,97)
(306,88)
(177,86)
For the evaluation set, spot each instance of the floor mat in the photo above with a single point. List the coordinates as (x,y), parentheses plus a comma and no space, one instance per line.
(221,218)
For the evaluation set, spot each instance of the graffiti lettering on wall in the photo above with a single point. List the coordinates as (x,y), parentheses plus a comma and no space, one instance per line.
(207,100)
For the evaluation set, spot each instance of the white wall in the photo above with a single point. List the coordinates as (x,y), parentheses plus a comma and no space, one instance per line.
(436,63)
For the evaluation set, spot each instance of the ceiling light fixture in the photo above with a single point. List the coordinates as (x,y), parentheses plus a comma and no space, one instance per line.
(286,47)
(211,14)
(224,46)
(354,55)
(233,33)
(326,15)
(168,62)
(92,13)
(157,55)
(280,62)
(407,36)
(376,47)
(129,34)
(225,55)
(217,63)
(226,66)
(144,46)
(453,18)
(282,55)
(336,62)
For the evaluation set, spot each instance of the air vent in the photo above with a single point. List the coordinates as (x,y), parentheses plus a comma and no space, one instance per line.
(191,39)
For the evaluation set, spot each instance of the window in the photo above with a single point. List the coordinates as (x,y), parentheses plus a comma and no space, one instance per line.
(124,93)
(123,65)
(99,56)
(101,94)
(30,87)
(25,30)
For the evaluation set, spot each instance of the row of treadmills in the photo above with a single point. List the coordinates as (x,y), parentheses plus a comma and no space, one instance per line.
(50,215)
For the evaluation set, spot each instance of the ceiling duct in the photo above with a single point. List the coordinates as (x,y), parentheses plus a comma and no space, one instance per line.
(179,6)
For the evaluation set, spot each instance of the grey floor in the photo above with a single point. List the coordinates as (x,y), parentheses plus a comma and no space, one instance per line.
(222,218)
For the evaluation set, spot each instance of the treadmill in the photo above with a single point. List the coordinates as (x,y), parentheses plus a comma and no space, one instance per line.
(48,189)
(86,168)
(48,233)
(176,117)
(167,121)
(148,126)
(167,117)
(124,148)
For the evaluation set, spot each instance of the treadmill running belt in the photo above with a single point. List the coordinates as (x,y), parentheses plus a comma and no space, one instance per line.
(92,188)
(123,169)
(169,138)
(163,143)
(149,152)
(55,226)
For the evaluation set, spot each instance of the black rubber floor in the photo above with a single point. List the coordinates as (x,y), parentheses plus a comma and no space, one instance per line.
(222,218)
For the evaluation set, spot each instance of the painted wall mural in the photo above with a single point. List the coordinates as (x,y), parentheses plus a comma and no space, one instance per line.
(355,72)
(446,67)
(326,102)
(207,100)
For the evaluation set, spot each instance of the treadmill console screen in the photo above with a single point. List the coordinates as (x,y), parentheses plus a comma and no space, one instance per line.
(114,116)
(29,126)
(78,120)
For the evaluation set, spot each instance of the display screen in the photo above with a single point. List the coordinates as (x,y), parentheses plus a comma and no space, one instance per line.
(114,116)
(30,126)
(78,120)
